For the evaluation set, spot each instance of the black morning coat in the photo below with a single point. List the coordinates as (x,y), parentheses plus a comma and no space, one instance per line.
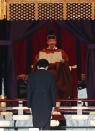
(41,96)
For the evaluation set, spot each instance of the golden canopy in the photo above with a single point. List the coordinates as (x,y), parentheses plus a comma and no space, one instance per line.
(47,9)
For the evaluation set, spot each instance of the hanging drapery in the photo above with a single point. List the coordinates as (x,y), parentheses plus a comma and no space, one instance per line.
(8,70)
(21,30)
(82,30)
(39,41)
(90,73)
(85,31)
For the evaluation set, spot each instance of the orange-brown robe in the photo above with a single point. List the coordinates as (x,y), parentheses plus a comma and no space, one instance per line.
(62,73)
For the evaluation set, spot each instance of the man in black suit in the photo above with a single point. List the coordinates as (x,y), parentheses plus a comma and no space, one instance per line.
(42,95)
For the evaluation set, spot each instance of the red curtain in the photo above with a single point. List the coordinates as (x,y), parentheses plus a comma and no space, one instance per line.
(39,41)
(69,46)
(20,57)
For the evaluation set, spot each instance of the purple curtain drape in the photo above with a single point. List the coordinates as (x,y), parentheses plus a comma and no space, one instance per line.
(21,30)
(82,30)
(5,43)
(12,89)
(90,73)
(11,79)
(85,32)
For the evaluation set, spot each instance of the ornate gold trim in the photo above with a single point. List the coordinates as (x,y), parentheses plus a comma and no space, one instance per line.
(4,6)
(48,1)
(36,10)
(8,17)
(2,9)
(93,10)
(20,1)
(65,10)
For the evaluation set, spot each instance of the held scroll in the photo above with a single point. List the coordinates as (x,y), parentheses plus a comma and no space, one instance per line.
(51,57)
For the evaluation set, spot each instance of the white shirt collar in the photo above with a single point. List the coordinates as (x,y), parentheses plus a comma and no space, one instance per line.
(42,68)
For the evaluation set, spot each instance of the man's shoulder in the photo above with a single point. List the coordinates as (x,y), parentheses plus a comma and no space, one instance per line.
(31,74)
(51,74)
(42,73)
(47,72)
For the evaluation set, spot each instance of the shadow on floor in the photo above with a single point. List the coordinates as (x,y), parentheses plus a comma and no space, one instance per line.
(58,128)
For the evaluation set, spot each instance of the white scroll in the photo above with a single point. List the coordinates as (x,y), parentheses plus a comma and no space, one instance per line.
(51,57)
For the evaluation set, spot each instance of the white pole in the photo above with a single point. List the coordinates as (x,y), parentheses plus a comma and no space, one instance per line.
(3,88)
(2,96)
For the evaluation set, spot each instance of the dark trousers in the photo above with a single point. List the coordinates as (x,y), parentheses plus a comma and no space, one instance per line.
(41,124)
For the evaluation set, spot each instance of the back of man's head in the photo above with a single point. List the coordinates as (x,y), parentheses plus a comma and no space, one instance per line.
(42,63)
